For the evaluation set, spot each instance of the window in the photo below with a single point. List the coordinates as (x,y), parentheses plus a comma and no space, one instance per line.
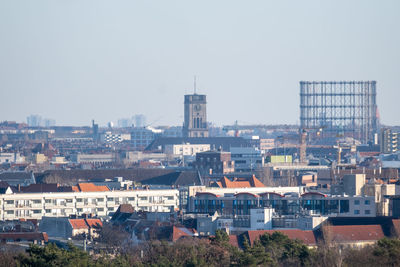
(367,212)
(110,209)
(110,199)
(79,200)
(37,201)
(79,210)
(47,201)
(344,206)
(142,198)
(356,202)
(356,211)
(367,202)
(170,197)
(68,200)
(9,202)
(100,200)
(100,209)
(131,199)
(47,210)
(9,212)
(37,211)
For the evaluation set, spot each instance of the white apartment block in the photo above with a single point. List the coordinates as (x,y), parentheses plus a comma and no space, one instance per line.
(186,149)
(101,204)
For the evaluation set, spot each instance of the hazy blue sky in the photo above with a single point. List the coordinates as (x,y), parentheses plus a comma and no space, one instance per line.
(77,60)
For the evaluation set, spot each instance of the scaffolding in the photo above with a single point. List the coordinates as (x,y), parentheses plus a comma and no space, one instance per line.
(343,109)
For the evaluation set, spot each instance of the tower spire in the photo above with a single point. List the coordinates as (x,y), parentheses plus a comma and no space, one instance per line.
(194,85)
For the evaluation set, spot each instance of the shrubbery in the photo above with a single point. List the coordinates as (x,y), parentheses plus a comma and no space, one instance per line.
(271,250)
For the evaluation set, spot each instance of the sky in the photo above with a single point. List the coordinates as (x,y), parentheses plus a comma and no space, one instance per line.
(77,60)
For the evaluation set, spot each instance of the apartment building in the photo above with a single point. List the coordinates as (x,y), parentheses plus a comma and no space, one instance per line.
(291,204)
(100,203)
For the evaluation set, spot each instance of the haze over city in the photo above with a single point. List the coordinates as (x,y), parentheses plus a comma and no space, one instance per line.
(80,60)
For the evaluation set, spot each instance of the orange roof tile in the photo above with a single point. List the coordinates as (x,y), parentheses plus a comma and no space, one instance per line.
(90,187)
(252,182)
(178,232)
(75,188)
(78,224)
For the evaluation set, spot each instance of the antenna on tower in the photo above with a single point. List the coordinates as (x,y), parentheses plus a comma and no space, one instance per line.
(194,85)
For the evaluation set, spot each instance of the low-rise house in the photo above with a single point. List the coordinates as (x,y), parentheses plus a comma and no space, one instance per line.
(307,237)
(356,236)
(64,227)
(34,237)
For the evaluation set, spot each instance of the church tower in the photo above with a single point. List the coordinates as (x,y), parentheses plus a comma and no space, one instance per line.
(195,124)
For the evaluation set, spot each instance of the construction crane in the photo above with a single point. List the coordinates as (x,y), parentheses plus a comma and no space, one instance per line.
(340,148)
(303,141)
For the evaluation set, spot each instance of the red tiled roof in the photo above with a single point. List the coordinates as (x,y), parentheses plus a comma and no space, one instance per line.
(306,236)
(78,224)
(89,187)
(349,233)
(233,240)
(94,222)
(178,232)
(252,182)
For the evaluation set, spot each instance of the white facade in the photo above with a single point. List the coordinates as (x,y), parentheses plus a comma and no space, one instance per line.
(109,137)
(94,158)
(186,149)
(261,219)
(36,205)
(11,158)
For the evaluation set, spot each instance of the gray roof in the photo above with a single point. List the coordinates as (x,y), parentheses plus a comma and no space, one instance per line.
(14,178)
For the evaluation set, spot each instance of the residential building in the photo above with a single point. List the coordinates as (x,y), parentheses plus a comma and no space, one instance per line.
(65,227)
(214,162)
(93,158)
(86,199)
(389,141)
(11,158)
(247,159)
(289,204)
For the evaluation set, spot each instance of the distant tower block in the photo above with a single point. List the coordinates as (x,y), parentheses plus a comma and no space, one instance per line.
(345,109)
(195,124)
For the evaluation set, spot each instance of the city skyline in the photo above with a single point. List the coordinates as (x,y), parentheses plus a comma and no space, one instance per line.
(73,63)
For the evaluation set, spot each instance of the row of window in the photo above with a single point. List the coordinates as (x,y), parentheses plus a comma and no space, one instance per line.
(367,212)
(109,199)
(366,202)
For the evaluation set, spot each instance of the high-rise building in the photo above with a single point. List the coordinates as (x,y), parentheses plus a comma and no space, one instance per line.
(389,141)
(139,120)
(34,120)
(195,124)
